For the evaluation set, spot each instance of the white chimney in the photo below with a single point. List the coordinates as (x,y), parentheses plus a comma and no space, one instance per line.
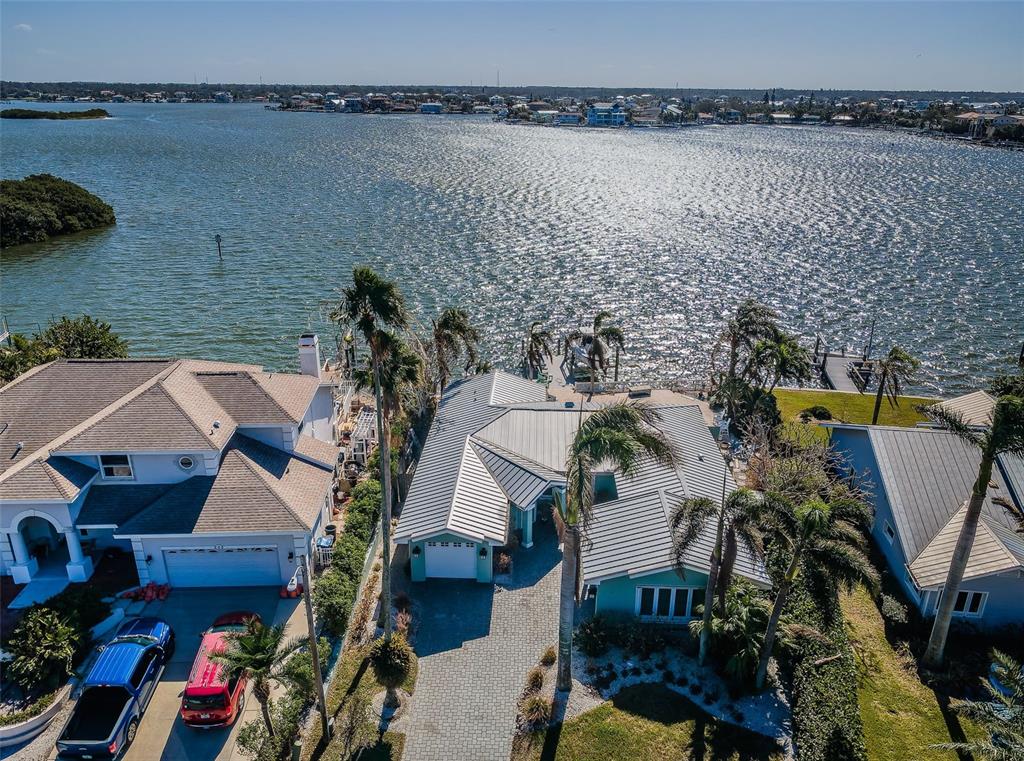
(309,355)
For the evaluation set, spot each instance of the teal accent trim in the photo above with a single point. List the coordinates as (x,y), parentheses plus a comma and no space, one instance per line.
(418,563)
(418,569)
(617,595)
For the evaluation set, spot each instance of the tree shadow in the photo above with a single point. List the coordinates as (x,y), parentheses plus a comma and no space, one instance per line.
(952,721)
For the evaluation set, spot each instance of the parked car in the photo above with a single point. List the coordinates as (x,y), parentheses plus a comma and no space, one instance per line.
(117,690)
(211,700)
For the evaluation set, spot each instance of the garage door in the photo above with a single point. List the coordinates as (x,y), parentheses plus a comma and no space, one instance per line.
(222,566)
(451,560)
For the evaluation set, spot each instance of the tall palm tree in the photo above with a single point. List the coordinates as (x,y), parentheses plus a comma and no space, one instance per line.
(781,357)
(400,369)
(538,346)
(737,522)
(1004,435)
(895,370)
(260,653)
(827,542)
(621,435)
(453,335)
(374,305)
(1002,715)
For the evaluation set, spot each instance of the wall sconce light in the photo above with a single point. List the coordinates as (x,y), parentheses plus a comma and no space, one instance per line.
(416,551)
(149,558)
(483,552)
(291,556)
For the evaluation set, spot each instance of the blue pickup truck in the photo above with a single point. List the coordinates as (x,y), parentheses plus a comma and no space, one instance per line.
(117,690)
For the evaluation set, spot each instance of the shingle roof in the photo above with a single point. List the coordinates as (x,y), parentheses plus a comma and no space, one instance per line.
(41,405)
(113,504)
(56,479)
(927,475)
(258,488)
(317,451)
(251,397)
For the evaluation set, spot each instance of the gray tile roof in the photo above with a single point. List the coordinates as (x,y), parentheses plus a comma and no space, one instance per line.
(52,399)
(257,489)
(928,475)
(56,479)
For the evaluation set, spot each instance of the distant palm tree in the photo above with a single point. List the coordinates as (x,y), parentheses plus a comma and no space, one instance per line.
(896,369)
(374,305)
(736,522)
(1004,436)
(827,542)
(599,342)
(620,436)
(260,653)
(781,357)
(538,346)
(1002,716)
(453,335)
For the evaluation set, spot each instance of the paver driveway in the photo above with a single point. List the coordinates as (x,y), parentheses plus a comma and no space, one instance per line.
(476,643)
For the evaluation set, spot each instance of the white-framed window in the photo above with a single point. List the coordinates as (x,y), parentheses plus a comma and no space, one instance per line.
(668,603)
(890,533)
(970,604)
(116,466)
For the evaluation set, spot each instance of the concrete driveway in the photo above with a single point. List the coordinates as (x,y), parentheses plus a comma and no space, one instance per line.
(162,735)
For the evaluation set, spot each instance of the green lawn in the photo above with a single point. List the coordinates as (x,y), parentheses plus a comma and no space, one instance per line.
(901,716)
(849,408)
(647,722)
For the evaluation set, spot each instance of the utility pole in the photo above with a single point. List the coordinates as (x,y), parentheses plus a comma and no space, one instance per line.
(325,723)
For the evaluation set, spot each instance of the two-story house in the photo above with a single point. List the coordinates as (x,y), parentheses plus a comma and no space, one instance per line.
(210,473)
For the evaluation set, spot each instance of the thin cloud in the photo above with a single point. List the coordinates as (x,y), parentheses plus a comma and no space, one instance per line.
(23,27)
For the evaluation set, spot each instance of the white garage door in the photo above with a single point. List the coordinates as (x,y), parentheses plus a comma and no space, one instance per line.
(451,560)
(222,566)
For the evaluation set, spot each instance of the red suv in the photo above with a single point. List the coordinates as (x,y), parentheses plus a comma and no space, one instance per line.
(210,700)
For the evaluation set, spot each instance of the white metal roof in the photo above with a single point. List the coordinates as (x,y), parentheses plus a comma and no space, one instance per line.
(975,407)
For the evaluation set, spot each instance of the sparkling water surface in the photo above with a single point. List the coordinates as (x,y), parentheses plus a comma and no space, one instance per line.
(667,229)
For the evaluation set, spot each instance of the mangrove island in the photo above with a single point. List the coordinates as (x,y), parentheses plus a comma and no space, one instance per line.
(31,113)
(41,205)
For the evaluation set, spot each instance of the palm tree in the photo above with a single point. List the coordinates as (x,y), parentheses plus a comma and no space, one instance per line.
(601,338)
(1002,716)
(374,305)
(781,357)
(538,346)
(621,436)
(399,370)
(737,522)
(260,653)
(1004,435)
(896,369)
(827,542)
(453,335)
(738,627)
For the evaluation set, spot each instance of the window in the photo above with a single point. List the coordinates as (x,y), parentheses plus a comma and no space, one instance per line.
(116,466)
(140,670)
(889,532)
(970,604)
(604,488)
(667,603)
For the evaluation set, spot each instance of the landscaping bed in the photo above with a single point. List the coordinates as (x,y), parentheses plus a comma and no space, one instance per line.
(647,722)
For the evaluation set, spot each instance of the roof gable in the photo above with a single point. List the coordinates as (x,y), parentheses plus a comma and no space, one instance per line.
(988,554)
(56,479)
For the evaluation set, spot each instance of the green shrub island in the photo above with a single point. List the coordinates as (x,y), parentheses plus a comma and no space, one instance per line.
(41,205)
(32,113)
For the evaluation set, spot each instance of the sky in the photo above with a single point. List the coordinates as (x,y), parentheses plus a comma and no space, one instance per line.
(908,45)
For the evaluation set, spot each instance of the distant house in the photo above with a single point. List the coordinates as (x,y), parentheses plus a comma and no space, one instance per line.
(920,480)
(843,119)
(495,456)
(759,118)
(539,105)
(223,97)
(497,101)
(730,116)
(431,107)
(546,116)
(567,119)
(705,118)
(782,118)
(606,115)
(482,109)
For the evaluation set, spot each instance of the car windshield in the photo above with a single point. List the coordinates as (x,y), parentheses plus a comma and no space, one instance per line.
(136,639)
(227,628)
(203,702)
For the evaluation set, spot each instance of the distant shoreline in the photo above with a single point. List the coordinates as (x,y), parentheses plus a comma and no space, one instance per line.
(32,113)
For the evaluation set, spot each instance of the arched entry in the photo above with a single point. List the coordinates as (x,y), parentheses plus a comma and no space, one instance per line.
(43,548)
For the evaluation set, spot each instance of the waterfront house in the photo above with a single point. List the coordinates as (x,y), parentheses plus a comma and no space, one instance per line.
(208,473)
(758,118)
(567,118)
(431,107)
(546,116)
(920,480)
(782,118)
(730,116)
(606,115)
(223,97)
(494,456)
(497,101)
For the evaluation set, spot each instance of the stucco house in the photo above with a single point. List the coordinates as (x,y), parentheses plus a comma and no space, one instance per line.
(210,473)
(495,454)
(920,480)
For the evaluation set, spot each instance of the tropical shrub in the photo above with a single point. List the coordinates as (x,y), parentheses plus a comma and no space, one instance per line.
(80,605)
(535,679)
(594,636)
(737,633)
(333,596)
(43,646)
(536,711)
(894,611)
(391,660)
(818,412)
(42,205)
(645,639)
(349,553)
(504,562)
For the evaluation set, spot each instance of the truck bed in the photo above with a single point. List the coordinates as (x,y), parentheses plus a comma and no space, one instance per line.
(96,714)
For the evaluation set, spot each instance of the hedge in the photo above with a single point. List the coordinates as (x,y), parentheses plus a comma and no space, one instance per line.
(335,591)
